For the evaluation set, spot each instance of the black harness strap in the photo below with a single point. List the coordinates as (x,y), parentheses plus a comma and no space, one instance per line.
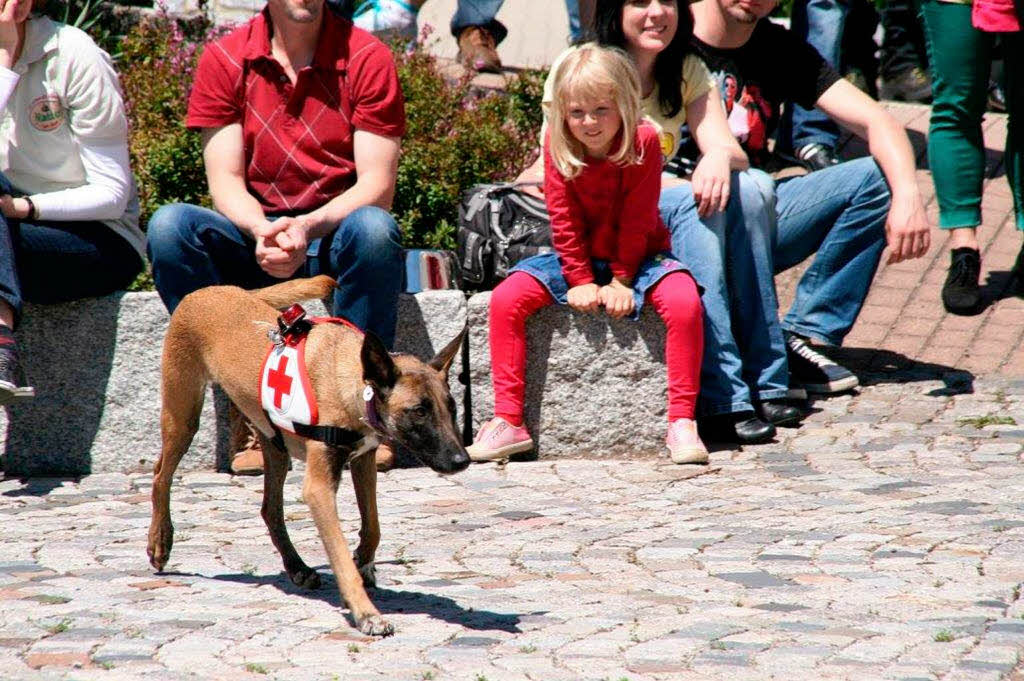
(329,435)
(332,436)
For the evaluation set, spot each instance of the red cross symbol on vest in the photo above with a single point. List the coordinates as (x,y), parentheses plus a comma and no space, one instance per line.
(279,381)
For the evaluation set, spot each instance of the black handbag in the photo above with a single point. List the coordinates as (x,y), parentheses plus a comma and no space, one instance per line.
(499,225)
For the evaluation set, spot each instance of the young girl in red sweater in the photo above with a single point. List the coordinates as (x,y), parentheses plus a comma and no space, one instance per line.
(602,178)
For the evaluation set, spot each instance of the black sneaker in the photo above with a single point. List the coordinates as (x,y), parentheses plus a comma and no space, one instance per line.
(815,372)
(813,156)
(960,293)
(12,378)
(911,85)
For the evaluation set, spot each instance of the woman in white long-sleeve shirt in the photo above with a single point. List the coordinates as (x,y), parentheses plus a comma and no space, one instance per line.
(70,216)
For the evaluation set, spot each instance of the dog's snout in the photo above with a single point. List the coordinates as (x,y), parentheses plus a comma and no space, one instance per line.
(460,461)
(452,461)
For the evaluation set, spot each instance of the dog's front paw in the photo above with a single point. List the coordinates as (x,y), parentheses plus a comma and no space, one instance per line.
(305,577)
(161,538)
(369,574)
(375,625)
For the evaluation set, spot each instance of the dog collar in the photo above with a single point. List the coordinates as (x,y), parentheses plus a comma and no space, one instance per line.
(372,415)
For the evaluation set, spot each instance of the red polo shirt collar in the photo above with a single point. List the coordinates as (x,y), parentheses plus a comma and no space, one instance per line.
(333,33)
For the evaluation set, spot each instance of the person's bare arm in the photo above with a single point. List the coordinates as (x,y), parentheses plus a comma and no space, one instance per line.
(376,159)
(720,152)
(224,158)
(907,228)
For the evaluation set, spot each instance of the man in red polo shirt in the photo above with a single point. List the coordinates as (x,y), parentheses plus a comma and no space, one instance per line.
(301,115)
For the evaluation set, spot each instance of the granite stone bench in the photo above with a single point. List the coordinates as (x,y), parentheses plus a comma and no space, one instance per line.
(595,387)
(95,365)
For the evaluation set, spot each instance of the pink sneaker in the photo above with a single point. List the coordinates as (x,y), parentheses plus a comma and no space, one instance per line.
(684,444)
(498,439)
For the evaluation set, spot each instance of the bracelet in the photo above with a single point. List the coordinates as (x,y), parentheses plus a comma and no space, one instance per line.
(33,214)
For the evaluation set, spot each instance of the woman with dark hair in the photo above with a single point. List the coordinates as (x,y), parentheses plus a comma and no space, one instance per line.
(69,216)
(721,218)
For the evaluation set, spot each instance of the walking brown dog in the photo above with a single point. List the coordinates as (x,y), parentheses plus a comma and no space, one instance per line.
(219,334)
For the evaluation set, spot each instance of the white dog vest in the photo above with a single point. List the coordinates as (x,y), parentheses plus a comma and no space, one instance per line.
(286,393)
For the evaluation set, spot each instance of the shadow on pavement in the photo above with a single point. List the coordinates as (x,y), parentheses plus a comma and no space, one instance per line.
(37,487)
(875,366)
(998,286)
(389,601)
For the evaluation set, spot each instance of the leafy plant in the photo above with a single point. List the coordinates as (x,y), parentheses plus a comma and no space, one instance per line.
(457,136)
(157,67)
(60,627)
(100,20)
(980,422)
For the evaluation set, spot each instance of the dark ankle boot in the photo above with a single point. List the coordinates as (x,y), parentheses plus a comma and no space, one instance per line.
(960,293)
(777,413)
(741,427)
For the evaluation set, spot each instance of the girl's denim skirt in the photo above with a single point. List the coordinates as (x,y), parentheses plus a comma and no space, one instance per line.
(547,269)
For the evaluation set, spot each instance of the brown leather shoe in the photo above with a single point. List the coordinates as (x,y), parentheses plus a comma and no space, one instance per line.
(385,457)
(477,50)
(247,458)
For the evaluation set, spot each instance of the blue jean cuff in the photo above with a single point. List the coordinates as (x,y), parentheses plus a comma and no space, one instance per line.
(834,339)
(725,408)
(773,394)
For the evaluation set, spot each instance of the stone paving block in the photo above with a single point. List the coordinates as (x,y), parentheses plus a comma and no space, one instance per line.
(100,402)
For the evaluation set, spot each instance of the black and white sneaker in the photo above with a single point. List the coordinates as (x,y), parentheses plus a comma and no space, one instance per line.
(815,372)
(813,156)
(13,386)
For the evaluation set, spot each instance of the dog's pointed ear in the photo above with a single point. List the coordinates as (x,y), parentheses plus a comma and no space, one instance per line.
(443,361)
(379,369)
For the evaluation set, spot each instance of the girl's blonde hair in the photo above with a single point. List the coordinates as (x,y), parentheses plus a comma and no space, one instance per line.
(588,73)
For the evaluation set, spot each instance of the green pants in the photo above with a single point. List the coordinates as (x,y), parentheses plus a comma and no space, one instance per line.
(961,57)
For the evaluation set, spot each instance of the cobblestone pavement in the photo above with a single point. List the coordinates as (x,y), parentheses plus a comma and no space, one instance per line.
(882,539)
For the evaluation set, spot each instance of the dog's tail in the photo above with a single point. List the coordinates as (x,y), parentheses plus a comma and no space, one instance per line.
(288,292)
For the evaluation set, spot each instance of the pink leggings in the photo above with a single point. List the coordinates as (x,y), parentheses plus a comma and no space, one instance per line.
(675,298)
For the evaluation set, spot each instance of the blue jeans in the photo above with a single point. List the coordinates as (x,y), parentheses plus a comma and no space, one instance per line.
(482,13)
(572,8)
(479,13)
(820,23)
(730,256)
(192,247)
(54,262)
(840,214)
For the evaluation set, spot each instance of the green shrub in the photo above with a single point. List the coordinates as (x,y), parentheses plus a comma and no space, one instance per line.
(101,20)
(157,65)
(457,136)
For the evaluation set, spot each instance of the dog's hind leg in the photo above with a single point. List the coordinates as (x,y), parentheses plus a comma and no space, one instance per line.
(364,479)
(275,469)
(323,470)
(182,390)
